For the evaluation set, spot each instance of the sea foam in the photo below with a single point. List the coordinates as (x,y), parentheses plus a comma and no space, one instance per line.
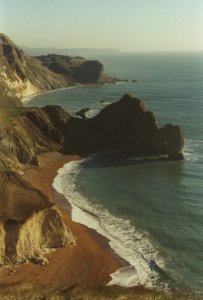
(192,150)
(127,241)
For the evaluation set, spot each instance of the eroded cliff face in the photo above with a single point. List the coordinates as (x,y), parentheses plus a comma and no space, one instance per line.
(30,225)
(34,131)
(22,75)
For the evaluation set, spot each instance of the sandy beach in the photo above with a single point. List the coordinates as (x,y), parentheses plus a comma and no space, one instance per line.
(89,263)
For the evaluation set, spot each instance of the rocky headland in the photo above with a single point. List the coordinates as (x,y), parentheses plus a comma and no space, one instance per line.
(125,126)
(77,68)
(31,224)
(22,75)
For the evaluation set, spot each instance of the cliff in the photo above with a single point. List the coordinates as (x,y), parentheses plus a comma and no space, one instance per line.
(30,225)
(22,75)
(127,126)
(81,70)
(124,126)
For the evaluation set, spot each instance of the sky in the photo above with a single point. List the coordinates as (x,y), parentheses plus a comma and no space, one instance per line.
(128,25)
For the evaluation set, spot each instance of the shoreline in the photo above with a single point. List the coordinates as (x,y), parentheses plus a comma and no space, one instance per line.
(89,263)
(28,98)
(140,264)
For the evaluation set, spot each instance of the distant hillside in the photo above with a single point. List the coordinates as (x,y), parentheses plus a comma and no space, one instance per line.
(78,68)
(70,51)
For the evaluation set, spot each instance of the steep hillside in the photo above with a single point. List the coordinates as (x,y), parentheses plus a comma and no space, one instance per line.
(30,225)
(22,75)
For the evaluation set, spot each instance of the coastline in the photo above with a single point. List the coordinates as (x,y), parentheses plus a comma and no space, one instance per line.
(89,263)
(141,264)
(28,98)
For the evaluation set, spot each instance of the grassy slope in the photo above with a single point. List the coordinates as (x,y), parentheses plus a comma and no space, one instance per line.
(8,113)
(27,292)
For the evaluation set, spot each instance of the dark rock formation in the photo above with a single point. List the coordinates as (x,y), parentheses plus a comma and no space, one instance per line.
(123,126)
(82,113)
(126,126)
(116,79)
(79,69)
(173,137)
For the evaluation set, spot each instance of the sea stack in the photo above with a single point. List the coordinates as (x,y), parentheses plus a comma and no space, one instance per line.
(173,137)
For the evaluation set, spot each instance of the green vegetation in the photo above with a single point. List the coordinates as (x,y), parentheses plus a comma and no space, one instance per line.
(28,292)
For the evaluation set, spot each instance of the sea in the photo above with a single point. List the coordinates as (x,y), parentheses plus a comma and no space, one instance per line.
(150,210)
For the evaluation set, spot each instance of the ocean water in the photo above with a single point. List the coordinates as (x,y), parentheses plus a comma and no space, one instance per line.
(151,210)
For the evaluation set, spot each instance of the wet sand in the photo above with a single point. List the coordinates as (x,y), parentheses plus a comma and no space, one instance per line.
(89,263)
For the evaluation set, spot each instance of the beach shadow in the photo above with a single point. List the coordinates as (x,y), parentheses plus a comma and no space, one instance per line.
(119,160)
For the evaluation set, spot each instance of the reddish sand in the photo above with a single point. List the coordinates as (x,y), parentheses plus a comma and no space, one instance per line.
(88,263)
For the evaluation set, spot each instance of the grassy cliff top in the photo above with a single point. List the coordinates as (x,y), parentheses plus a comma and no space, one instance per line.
(27,291)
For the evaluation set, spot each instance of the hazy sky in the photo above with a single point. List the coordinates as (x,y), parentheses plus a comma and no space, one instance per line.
(130,25)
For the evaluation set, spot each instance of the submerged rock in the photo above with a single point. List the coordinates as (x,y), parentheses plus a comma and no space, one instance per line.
(82,113)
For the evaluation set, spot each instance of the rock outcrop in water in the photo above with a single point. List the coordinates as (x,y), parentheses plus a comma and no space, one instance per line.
(127,126)
(173,137)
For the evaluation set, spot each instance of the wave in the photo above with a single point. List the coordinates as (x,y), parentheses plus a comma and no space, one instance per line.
(92,112)
(30,97)
(191,151)
(126,240)
(105,103)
